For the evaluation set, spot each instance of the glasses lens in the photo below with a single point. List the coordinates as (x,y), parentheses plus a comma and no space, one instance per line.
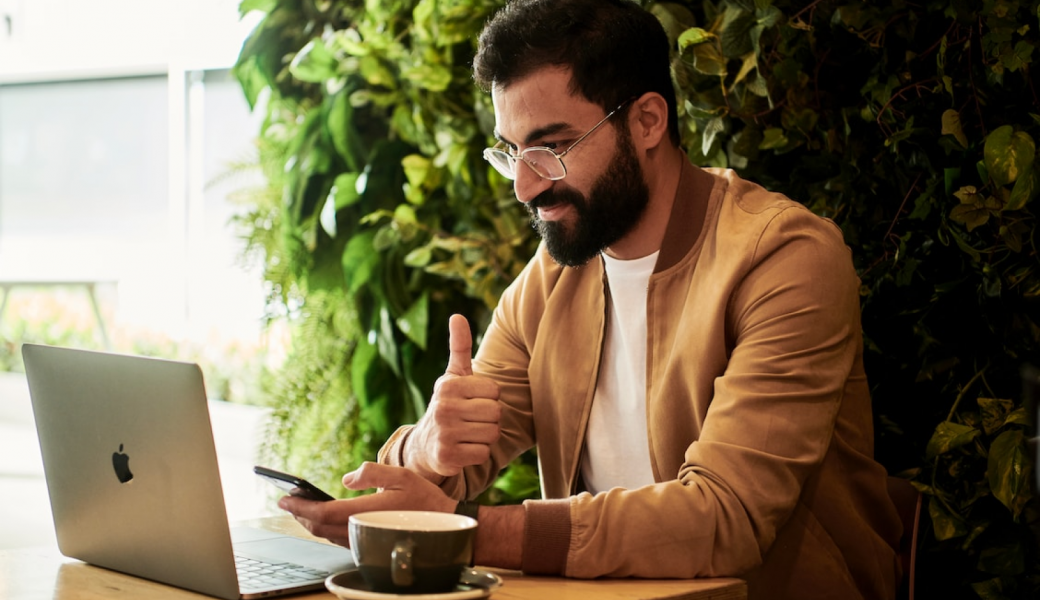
(545,163)
(503,162)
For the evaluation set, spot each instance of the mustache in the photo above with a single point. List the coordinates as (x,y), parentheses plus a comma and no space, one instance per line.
(554,197)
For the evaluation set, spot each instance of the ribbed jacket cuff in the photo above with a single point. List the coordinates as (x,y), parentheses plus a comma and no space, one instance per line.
(547,536)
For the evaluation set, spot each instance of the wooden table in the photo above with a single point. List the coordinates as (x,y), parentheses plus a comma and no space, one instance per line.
(43,574)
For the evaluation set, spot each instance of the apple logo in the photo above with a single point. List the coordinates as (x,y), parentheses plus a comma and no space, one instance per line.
(121,463)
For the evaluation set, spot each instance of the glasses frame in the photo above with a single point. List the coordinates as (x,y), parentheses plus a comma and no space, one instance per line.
(512,159)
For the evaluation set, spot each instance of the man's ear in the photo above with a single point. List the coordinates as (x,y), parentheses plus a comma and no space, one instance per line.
(649,120)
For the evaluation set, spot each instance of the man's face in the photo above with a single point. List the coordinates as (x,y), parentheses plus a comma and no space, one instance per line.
(609,211)
(604,193)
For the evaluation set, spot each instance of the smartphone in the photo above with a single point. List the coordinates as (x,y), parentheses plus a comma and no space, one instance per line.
(293,485)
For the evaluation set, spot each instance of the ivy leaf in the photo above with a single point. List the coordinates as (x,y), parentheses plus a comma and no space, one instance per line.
(994,413)
(708,60)
(385,341)
(971,215)
(714,127)
(1024,191)
(1008,471)
(748,63)
(432,77)
(1008,154)
(345,191)
(945,525)
(773,138)
(694,36)
(1019,416)
(991,589)
(246,6)
(949,435)
(314,63)
(736,32)
(360,261)
(1006,559)
(951,125)
(1015,58)
(414,323)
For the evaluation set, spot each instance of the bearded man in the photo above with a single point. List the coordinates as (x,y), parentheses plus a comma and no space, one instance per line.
(684,350)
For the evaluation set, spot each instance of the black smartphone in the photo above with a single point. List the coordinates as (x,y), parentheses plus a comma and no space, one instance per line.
(293,485)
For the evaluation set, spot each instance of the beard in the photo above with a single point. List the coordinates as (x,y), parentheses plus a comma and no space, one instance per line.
(612,209)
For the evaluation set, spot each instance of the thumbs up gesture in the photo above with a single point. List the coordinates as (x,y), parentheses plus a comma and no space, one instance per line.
(462,421)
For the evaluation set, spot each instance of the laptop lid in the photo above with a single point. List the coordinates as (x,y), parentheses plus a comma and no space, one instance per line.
(131,469)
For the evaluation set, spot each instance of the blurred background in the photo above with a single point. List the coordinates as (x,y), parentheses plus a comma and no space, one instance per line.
(124,143)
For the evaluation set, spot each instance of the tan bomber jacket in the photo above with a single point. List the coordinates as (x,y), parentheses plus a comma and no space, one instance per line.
(758,410)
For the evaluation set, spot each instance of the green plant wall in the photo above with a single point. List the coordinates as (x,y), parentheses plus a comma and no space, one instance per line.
(912,125)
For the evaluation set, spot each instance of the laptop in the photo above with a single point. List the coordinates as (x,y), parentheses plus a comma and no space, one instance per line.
(134,486)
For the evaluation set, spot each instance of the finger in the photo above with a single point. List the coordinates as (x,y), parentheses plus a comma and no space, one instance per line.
(312,510)
(460,346)
(375,475)
(470,387)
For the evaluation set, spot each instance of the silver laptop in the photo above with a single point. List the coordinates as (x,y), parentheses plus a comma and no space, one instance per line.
(132,474)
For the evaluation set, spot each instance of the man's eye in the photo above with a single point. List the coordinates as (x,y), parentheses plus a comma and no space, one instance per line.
(549,145)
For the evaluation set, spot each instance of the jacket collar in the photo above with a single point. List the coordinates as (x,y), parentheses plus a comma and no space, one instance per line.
(687,217)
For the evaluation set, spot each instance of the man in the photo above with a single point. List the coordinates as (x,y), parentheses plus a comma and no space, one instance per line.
(684,350)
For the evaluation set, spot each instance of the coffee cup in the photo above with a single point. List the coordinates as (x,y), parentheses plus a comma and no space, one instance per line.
(411,552)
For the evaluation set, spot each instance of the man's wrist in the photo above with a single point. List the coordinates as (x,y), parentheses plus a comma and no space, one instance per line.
(468,509)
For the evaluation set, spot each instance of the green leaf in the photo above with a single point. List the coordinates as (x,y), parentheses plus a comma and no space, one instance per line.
(1008,471)
(1005,559)
(345,190)
(773,138)
(951,125)
(735,35)
(314,63)
(360,260)
(339,121)
(415,322)
(1008,154)
(419,258)
(944,525)
(376,73)
(949,435)
(994,413)
(432,77)
(385,341)
(416,168)
(246,6)
(1019,416)
(991,589)
(714,127)
(972,215)
(694,36)
(1017,57)
(1024,191)
(362,363)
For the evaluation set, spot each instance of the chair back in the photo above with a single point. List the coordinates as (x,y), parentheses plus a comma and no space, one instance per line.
(908,503)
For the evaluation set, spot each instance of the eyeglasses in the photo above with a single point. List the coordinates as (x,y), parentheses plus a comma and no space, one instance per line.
(546,163)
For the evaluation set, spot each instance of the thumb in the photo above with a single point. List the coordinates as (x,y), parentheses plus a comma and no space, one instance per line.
(372,475)
(460,347)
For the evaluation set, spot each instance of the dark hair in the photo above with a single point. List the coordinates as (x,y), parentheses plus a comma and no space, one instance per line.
(615,49)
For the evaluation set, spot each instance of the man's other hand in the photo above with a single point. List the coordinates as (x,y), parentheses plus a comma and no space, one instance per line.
(399,489)
(462,421)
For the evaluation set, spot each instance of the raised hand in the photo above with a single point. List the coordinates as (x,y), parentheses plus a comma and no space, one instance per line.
(462,421)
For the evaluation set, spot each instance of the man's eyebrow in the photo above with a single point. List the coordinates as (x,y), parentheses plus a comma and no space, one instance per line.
(536,134)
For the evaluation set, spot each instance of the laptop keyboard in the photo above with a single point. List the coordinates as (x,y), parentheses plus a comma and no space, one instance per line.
(258,574)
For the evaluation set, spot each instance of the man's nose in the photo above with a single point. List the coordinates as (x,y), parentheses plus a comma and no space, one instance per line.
(528,184)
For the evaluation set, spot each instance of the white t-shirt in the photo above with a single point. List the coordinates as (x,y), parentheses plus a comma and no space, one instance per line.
(617,451)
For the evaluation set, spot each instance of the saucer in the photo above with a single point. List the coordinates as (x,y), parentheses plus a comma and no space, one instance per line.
(473,583)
